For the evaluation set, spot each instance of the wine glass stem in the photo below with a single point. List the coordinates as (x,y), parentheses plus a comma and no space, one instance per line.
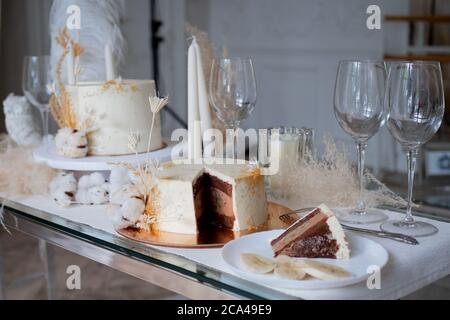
(44,118)
(230,142)
(411,156)
(361,147)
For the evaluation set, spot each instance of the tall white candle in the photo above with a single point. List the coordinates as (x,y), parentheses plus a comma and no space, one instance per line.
(70,67)
(203,103)
(195,139)
(109,63)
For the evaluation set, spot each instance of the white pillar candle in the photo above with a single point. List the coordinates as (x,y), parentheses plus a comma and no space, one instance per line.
(195,139)
(203,103)
(288,149)
(70,67)
(109,63)
(286,154)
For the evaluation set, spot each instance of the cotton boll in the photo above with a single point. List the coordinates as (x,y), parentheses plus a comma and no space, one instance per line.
(132,209)
(117,179)
(77,138)
(117,197)
(118,221)
(119,176)
(122,194)
(97,195)
(84,182)
(62,136)
(63,188)
(71,143)
(93,189)
(134,179)
(74,153)
(116,194)
(82,197)
(106,187)
(96,179)
(65,181)
(54,185)
(62,198)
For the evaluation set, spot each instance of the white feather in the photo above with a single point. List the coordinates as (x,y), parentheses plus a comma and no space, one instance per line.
(19,121)
(100,25)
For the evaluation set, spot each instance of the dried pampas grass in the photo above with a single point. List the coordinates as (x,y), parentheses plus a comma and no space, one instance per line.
(19,174)
(334,181)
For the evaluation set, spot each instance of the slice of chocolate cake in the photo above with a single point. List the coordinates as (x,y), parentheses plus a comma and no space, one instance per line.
(317,235)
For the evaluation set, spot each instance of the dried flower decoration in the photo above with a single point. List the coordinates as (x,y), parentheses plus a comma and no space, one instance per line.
(134,138)
(143,180)
(144,177)
(156,105)
(333,180)
(60,102)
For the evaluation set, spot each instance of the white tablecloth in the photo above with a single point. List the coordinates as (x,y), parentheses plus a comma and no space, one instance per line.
(410,268)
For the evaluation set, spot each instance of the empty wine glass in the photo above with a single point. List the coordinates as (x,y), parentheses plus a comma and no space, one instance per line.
(232,89)
(36,82)
(415,105)
(358,107)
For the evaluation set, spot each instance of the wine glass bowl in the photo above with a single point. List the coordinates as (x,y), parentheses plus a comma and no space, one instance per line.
(359,126)
(36,80)
(358,107)
(414,103)
(359,98)
(232,89)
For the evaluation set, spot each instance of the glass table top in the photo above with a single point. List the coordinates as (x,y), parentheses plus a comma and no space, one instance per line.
(178,265)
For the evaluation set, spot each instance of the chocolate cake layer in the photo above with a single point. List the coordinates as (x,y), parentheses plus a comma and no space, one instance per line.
(215,182)
(213,202)
(309,237)
(198,190)
(321,245)
(290,234)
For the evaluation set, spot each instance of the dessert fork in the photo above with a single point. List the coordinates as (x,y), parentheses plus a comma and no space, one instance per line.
(288,219)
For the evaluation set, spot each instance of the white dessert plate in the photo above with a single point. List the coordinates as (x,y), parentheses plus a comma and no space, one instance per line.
(46,153)
(364,253)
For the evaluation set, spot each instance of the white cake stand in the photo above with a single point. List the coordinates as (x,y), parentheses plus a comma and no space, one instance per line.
(46,153)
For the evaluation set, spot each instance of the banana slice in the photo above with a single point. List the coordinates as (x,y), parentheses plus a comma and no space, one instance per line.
(324,271)
(289,268)
(257,264)
(289,271)
(286,259)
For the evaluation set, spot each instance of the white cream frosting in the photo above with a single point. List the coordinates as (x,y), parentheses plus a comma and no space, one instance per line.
(176,209)
(117,109)
(337,233)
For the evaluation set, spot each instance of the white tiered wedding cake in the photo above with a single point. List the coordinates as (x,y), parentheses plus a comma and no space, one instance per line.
(117,108)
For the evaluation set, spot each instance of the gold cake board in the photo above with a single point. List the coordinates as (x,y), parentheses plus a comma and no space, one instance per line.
(214,237)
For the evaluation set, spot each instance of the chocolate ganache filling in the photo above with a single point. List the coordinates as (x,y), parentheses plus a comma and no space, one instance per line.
(310,238)
(213,200)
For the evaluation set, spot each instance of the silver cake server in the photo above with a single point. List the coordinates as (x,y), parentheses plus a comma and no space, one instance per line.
(288,219)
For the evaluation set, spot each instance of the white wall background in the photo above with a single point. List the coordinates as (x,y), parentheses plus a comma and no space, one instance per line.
(296,46)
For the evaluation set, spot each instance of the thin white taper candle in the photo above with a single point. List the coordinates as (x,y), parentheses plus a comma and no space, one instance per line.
(109,63)
(195,139)
(203,103)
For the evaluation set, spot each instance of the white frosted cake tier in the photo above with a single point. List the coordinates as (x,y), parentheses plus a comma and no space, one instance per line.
(188,197)
(116,109)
